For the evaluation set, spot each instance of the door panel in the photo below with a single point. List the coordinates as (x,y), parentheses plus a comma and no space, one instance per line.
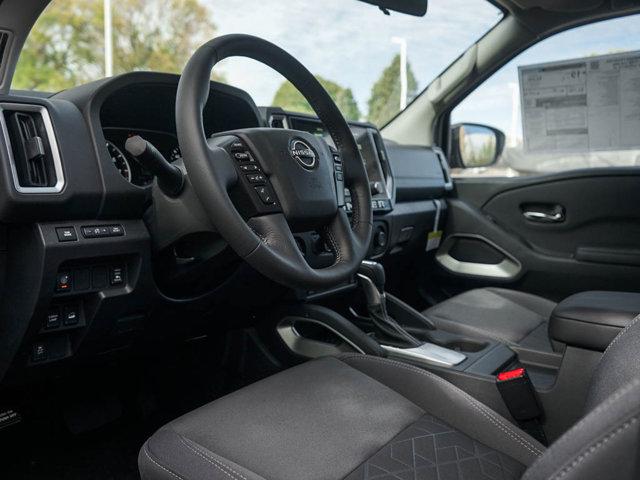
(586,236)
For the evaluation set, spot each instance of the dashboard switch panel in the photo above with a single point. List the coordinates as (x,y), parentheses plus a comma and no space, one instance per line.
(101,231)
(116,275)
(71,315)
(53,319)
(66,234)
(64,282)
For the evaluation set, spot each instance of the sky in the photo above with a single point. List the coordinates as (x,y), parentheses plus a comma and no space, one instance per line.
(348,41)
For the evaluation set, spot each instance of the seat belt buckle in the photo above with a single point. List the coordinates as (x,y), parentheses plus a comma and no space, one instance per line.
(521,400)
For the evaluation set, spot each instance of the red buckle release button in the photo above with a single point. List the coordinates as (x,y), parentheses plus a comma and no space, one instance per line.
(511,375)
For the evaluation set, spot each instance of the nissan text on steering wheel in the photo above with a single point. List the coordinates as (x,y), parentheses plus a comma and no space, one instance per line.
(259,185)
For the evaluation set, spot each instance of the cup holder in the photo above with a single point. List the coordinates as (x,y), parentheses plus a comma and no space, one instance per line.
(469,346)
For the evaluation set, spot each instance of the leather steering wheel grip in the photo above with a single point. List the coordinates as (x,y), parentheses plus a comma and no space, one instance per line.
(266,242)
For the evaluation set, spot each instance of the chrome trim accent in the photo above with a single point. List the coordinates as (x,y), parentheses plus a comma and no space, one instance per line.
(428,353)
(307,347)
(305,156)
(508,268)
(543,217)
(53,144)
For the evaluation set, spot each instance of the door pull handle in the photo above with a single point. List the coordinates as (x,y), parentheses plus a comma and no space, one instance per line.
(549,217)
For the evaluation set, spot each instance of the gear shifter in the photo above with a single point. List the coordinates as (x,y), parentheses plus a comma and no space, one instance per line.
(372,278)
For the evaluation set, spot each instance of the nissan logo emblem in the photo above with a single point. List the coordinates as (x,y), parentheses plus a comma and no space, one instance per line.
(303,154)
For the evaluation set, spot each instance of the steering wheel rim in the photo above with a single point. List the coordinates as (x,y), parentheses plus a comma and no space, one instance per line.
(266,241)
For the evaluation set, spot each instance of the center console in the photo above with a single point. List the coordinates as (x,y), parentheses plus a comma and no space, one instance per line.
(581,327)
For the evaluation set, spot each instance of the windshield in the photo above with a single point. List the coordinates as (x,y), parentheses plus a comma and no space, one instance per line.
(372,64)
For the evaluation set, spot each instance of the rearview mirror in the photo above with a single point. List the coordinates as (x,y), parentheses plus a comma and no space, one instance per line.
(417,8)
(474,145)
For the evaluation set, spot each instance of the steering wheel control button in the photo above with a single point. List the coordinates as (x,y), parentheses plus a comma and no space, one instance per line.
(63,282)
(243,157)
(237,146)
(251,167)
(66,234)
(256,178)
(266,195)
(53,319)
(116,276)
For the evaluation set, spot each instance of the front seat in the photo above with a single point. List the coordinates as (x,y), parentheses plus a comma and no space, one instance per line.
(508,316)
(364,417)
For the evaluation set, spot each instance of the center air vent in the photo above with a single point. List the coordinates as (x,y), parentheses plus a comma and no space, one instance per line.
(32,148)
(278,121)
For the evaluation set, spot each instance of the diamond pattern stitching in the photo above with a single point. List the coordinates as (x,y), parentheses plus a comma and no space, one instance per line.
(429,449)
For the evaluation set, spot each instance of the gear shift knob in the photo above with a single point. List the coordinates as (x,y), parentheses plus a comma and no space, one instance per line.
(375,272)
(372,279)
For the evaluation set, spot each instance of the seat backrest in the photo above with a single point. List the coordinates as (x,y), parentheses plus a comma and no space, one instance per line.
(605,443)
(619,364)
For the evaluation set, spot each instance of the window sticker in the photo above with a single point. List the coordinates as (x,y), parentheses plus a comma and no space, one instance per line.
(582,105)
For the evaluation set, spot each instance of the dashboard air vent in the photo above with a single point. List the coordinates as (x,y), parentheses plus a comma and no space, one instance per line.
(382,153)
(4,41)
(444,164)
(32,148)
(278,121)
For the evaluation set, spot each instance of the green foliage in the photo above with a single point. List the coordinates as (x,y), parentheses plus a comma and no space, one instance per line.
(288,97)
(66,46)
(384,102)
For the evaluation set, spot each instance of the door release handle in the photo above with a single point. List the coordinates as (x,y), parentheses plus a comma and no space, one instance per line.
(554,216)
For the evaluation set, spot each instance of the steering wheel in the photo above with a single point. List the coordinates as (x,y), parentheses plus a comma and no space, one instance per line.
(259,185)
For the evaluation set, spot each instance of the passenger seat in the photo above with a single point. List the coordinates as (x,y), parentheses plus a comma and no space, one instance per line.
(507,316)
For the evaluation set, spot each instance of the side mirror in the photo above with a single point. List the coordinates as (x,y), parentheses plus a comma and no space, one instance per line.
(475,145)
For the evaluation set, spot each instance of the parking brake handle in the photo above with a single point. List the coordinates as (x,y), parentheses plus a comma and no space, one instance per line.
(170,178)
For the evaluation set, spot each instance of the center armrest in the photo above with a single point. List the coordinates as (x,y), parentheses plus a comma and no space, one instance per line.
(593,319)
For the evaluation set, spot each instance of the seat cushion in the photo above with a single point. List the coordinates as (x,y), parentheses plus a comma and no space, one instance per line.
(508,316)
(356,417)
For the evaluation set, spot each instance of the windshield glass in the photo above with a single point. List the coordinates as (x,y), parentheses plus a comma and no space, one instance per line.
(372,64)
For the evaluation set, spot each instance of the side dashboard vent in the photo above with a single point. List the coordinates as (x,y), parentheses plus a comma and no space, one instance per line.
(32,148)
(444,164)
(4,42)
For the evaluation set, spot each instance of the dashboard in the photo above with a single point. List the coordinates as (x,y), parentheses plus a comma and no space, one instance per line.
(95,255)
(147,110)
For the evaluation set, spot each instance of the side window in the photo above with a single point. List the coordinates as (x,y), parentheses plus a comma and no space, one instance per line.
(571,101)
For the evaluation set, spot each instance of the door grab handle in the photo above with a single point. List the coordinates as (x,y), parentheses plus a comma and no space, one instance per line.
(543,216)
